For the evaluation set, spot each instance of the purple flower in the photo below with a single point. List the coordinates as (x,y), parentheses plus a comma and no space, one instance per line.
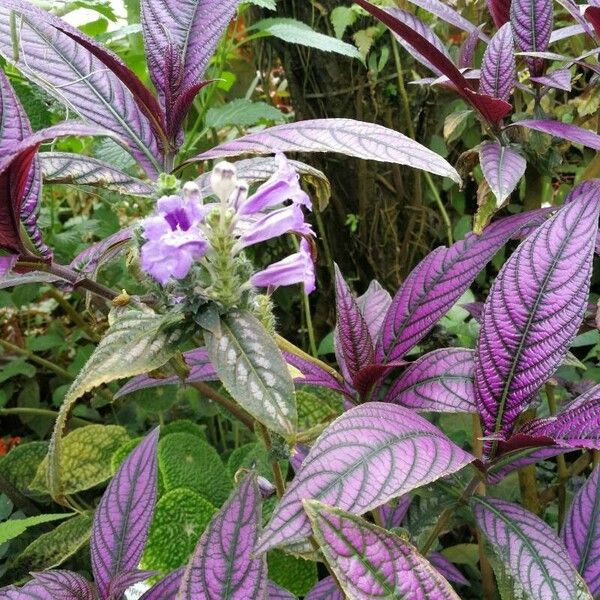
(281,186)
(7,262)
(296,268)
(284,220)
(174,238)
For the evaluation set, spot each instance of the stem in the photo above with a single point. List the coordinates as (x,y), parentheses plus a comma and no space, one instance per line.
(528,481)
(487,574)
(578,467)
(309,324)
(441,207)
(36,359)
(287,346)
(442,522)
(39,412)
(277,475)
(85,283)
(561,464)
(236,410)
(73,314)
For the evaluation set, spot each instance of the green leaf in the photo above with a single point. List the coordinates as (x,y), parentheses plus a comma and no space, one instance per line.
(242,113)
(268,4)
(53,548)
(17,366)
(20,465)
(136,342)
(296,32)
(85,459)
(253,371)
(14,527)
(292,573)
(342,17)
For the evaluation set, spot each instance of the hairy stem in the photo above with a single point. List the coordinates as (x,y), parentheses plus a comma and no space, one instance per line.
(235,409)
(277,475)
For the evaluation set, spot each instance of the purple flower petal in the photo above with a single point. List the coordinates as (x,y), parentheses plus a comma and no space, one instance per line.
(273,224)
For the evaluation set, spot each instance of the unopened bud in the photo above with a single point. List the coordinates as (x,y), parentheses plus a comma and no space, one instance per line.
(267,489)
(191,191)
(239,194)
(223,180)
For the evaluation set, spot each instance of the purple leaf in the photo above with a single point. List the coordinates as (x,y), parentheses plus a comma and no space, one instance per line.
(592,14)
(475,310)
(182,35)
(393,512)
(352,338)
(373,305)
(326,589)
(527,548)
(500,11)
(372,563)
(581,531)
(14,127)
(447,569)
(507,463)
(564,33)
(532,22)
(274,592)
(63,167)
(502,168)
(440,381)
(467,50)
(534,310)
(313,374)
(577,425)
(438,281)
(123,581)
(353,138)
(65,585)
(31,591)
(499,67)
(223,564)
(13,279)
(297,456)
(367,456)
(201,369)
(574,10)
(89,261)
(492,109)
(123,516)
(559,79)
(75,70)
(165,588)
(572,133)
(448,14)
(15,182)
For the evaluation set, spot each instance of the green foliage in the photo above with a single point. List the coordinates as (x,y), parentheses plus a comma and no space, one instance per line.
(20,465)
(242,113)
(294,574)
(316,406)
(85,458)
(253,456)
(14,527)
(183,426)
(122,452)
(187,461)
(53,548)
(180,517)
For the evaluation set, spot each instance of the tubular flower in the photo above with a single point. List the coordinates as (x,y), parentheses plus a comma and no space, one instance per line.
(174,239)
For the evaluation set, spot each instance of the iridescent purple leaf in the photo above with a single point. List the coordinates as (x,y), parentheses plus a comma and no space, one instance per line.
(500,11)
(592,14)
(440,381)
(64,167)
(223,564)
(532,22)
(446,568)
(313,374)
(353,138)
(14,127)
(575,11)
(502,168)
(527,549)
(581,531)
(274,592)
(559,79)
(564,33)
(326,589)
(507,463)
(123,516)
(566,131)
(197,360)
(367,456)
(165,588)
(123,581)
(499,67)
(373,305)
(371,563)
(467,50)
(88,261)
(65,585)
(448,14)
(13,279)
(57,60)
(393,512)
(189,28)
(534,310)
(297,456)
(438,281)
(352,338)
(31,591)
(577,425)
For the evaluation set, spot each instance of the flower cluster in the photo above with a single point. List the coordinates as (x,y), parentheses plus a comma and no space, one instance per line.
(185,231)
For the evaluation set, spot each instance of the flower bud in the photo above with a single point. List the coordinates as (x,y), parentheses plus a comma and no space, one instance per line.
(223,180)
(191,191)
(239,194)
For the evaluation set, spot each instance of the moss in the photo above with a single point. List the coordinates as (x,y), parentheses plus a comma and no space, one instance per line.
(183,426)
(294,574)
(180,517)
(20,465)
(186,461)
